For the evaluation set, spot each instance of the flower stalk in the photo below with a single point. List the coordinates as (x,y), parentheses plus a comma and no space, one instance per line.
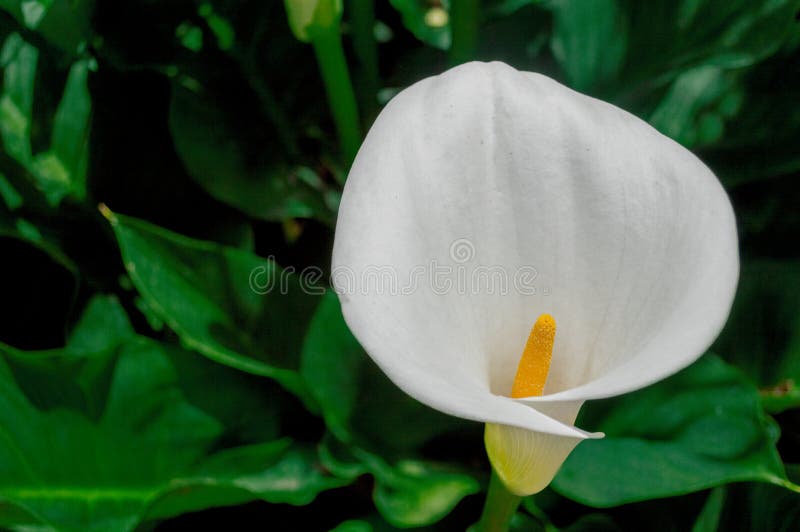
(500,507)
(319,23)
(362,22)
(464,16)
(327,44)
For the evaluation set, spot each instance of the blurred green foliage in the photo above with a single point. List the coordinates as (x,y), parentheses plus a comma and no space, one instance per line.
(147,380)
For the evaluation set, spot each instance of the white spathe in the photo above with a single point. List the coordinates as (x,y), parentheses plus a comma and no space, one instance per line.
(629,239)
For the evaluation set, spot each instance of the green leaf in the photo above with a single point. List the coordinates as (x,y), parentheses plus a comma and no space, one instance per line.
(234,307)
(33,11)
(102,326)
(365,410)
(61,170)
(760,141)
(678,62)
(589,41)
(72,472)
(696,106)
(429,23)
(305,15)
(11,197)
(760,508)
(220,26)
(353,525)
(274,472)
(700,428)
(248,409)
(668,37)
(330,365)
(594,523)
(410,493)
(231,158)
(708,520)
(414,494)
(19,60)
(359,403)
(103,440)
(236,399)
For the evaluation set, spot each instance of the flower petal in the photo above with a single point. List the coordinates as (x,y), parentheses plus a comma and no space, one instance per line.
(564,205)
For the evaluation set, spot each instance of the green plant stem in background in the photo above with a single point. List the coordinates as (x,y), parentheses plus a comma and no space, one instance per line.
(784,396)
(500,507)
(327,42)
(362,20)
(464,16)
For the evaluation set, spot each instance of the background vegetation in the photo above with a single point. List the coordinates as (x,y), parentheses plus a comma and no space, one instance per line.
(143,384)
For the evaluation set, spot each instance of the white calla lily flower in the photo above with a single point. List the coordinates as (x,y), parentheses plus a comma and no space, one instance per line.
(487,197)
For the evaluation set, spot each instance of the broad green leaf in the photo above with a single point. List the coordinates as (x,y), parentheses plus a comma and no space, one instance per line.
(357,401)
(700,428)
(589,41)
(243,403)
(75,473)
(231,158)
(330,364)
(106,439)
(144,457)
(408,493)
(428,22)
(239,401)
(274,472)
(234,307)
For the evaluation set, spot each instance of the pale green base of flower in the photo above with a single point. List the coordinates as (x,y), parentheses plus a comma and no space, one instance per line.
(525,461)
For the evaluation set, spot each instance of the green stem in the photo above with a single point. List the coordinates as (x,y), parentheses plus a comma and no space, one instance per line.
(464,16)
(327,43)
(362,20)
(782,397)
(500,507)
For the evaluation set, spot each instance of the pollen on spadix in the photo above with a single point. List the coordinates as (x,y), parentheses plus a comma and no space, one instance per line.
(535,362)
